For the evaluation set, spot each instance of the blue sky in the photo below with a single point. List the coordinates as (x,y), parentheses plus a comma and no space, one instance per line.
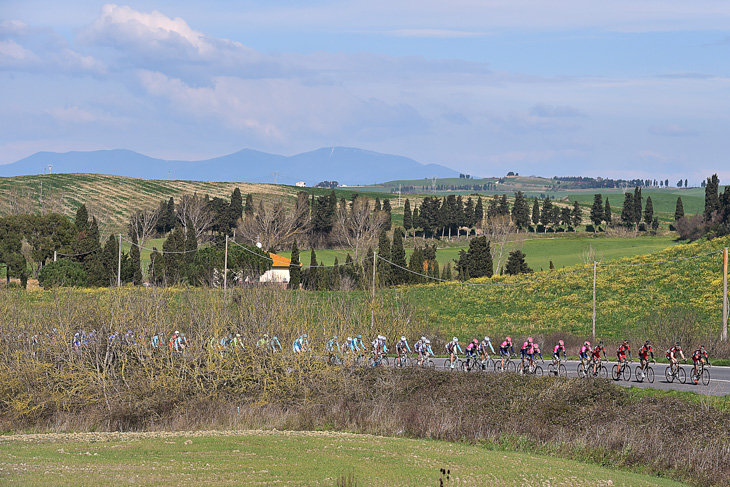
(567,87)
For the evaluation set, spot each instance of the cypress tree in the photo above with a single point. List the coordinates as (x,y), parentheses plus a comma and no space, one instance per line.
(469,219)
(648,212)
(503,208)
(478,215)
(407,216)
(535,213)
(446,275)
(415,264)
(655,224)
(295,270)
(384,268)
(312,282)
(366,276)
(388,214)
(109,264)
(377,206)
(627,211)
(248,207)
(235,209)
(170,215)
(565,215)
(546,216)
(174,262)
(679,209)
(400,276)
(82,219)
(637,205)
(607,217)
(597,211)
(135,261)
(516,264)
(712,198)
(521,211)
(325,278)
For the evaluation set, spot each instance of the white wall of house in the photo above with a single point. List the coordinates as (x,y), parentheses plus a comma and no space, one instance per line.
(275,275)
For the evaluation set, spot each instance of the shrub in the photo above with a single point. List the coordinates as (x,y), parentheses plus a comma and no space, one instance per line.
(62,273)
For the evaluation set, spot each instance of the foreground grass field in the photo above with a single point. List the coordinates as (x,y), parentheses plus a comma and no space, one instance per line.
(286,458)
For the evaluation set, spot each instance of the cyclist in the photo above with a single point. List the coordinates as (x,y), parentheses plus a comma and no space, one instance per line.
(644,353)
(155,342)
(275,344)
(526,351)
(584,351)
(672,355)
(698,356)
(402,347)
(560,347)
(504,349)
(301,344)
(173,340)
(264,341)
(621,352)
(483,350)
(358,344)
(237,341)
(332,344)
(454,350)
(472,353)
(536,351)
(427,352)
(596,356)
(418,347)
(348,346)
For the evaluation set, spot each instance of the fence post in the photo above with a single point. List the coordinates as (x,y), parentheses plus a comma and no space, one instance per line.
(723,334)
(594,299)
(225,267)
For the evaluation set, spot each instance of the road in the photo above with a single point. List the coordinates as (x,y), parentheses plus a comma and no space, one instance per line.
(719,377)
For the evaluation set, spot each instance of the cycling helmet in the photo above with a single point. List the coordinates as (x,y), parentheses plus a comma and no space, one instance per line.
(423,338)
(177,332)
(588,344)
(626,342)
(509,339)
(349,339)
(646,342)
(266,335)
(529,339)
(600,342)
(676,343)
(359,336)
(455,340)
(304,336)
(561,343)
(486,339)
(403,338)
(702,347)
(275,338)
(475,341)
(428,341)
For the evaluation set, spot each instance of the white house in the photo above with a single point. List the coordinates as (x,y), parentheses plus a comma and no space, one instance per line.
(279,271)
(301,184)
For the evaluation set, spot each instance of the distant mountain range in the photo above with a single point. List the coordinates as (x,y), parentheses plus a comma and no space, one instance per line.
(345,165)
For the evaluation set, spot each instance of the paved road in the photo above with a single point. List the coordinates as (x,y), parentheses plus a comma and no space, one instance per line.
(719,377)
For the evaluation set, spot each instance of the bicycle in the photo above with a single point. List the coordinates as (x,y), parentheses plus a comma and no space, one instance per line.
(458,364)
(557,368)
(509,365)
(648,373)
(531,369)
(428,363)
(403,360)
(673,372)
(473,364)
(702,375)
(621,369)
(585,369)
(382,361)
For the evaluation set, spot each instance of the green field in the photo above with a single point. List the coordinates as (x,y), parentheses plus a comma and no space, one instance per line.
(564,251)
(286,458)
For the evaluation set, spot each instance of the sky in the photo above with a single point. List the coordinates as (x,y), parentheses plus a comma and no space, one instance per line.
(620,89)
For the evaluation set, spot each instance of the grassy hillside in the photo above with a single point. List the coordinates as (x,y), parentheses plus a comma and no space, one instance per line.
(289,457)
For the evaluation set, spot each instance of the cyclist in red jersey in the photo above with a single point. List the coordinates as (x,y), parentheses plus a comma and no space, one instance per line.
(672,354)
(622,351)
(698,356)
(644,353)
(596,355)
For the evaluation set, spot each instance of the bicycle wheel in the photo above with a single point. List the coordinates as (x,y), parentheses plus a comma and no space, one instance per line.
(682,375)
(498,366)
(627,372)
(371,362)
(602,371)
(562,371)
(705,377)
(511,366)
(638,375)
(447,364)
(650,375)
(384,361)
(429,363)
(538,371)
(615,372)
(581,371)
(668,374)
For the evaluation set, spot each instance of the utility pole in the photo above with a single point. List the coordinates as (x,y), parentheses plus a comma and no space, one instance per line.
(723,334)
(119,262)
(225,267)
(55,252)
(595,266)
(372,307)
(399,188)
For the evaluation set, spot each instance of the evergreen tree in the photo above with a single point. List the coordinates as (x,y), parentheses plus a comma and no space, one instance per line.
(388,214)
(648,212)
(552,266)
(415,264)
(655,224)
(416,220)
(377,206)
(521,211)
(535,213)
(384,268)
(576,216)
(462,265)
(459,218)
(135,261)
(173,259)
(597,211)
(191,246)
(109,264)
(235,209)
(446,275)
(638,208)
(295,270)
(82,219)
(607,217)
(712,198)
(493,207)
(546,216)
(400,276)
(407,216)
(325,277)
(366,277)
(503,208)
(248,207)
(516,264)
(312,274)
(469,217)
(478,259)
(170,215)
(679,209)
(627,211)
(478,215)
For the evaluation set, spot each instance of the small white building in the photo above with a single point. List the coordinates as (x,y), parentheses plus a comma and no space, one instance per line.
(279,271)
(301,184)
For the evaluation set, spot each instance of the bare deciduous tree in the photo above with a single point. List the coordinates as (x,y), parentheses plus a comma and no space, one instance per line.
(501,231)
(273,226)
(143,223)
(358,228)
(194,209)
